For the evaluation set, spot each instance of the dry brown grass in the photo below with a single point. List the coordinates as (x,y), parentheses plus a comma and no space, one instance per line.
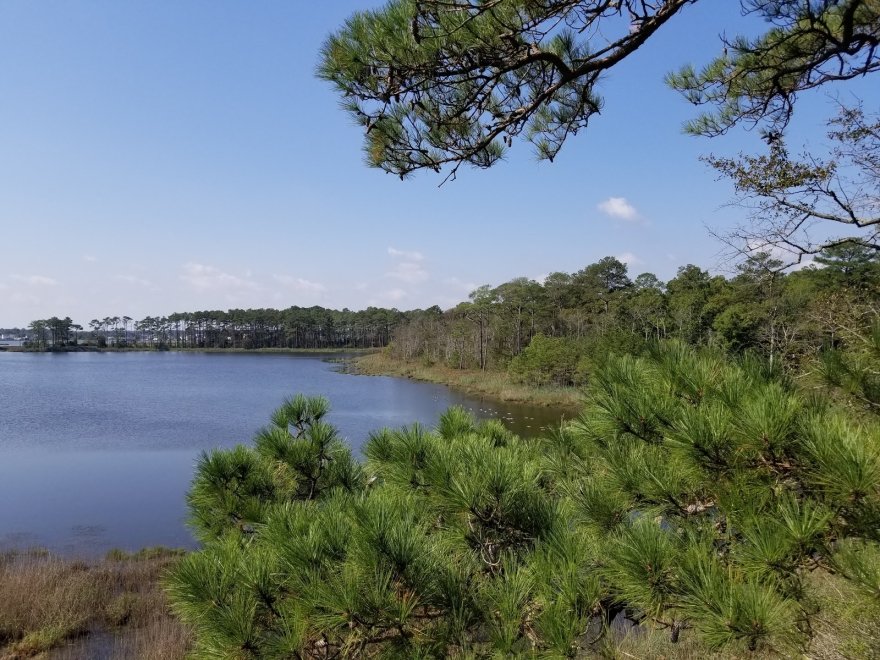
(492,384)
(46,602)
(162,638)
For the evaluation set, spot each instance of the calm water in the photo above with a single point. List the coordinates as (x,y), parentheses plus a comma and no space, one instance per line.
(97,449)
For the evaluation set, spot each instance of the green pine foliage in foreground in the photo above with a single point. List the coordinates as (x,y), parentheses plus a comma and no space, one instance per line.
(693,495)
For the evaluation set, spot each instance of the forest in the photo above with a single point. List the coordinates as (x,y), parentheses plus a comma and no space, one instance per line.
(822,317)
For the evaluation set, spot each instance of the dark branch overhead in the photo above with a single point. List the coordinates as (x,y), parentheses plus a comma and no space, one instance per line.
(439,83)
(756,81)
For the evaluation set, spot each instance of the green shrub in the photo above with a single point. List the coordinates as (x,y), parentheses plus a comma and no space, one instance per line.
(693,495)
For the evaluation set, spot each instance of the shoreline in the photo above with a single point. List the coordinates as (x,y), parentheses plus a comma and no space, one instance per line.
(492,385)
(147,349)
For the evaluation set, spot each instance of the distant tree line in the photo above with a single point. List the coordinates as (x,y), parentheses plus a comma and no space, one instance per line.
(824,319)
(295,327)
(44,333)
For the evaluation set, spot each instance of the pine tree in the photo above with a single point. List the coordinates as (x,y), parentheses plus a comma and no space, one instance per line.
(693,494)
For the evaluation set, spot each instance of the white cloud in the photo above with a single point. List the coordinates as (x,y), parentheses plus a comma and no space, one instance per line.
(90,259)
(35,280)
(207,278)
(409,272)
(461,285)
(629,259)
(385,298)
(409,268)
(406,254)
(446,302)
(618,207)
(300,284)
(131,279)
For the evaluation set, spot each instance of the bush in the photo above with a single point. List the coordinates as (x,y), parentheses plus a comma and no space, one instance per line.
(693,495)
(548,361)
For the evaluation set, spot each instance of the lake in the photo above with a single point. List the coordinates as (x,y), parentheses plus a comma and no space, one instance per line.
(97,449)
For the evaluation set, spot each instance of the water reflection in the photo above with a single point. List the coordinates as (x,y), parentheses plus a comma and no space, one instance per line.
(97,450)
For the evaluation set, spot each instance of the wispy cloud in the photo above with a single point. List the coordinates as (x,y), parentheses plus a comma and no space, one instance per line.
(409,268)
(619,208)
(806,262)
(131,279)
(782,253)
(460,285)
(409,255)
(89,259)
(408,272)
(207,278)
(394,295)
(300,284)
(629,259)
(789,258)
(389,297)
(35,280)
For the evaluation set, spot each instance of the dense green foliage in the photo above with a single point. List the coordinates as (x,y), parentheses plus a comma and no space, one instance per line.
(693,494)
(550,361)
(822,321)
(807,44)
(438,83)
(819,320)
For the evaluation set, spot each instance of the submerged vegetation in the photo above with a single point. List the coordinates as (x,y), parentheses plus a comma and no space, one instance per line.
(710,502)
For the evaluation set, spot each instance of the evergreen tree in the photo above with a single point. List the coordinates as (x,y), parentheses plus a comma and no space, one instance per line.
(438,83)
(693,494)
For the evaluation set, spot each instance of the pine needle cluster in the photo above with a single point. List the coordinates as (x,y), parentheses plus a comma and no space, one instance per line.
(693,494)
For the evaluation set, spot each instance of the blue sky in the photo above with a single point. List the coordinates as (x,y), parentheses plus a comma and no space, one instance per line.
(159,157)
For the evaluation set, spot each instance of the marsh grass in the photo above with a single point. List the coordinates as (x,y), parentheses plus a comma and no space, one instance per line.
(494,385)
(47,602)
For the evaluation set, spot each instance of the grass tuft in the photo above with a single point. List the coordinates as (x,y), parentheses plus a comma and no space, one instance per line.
(47,602)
